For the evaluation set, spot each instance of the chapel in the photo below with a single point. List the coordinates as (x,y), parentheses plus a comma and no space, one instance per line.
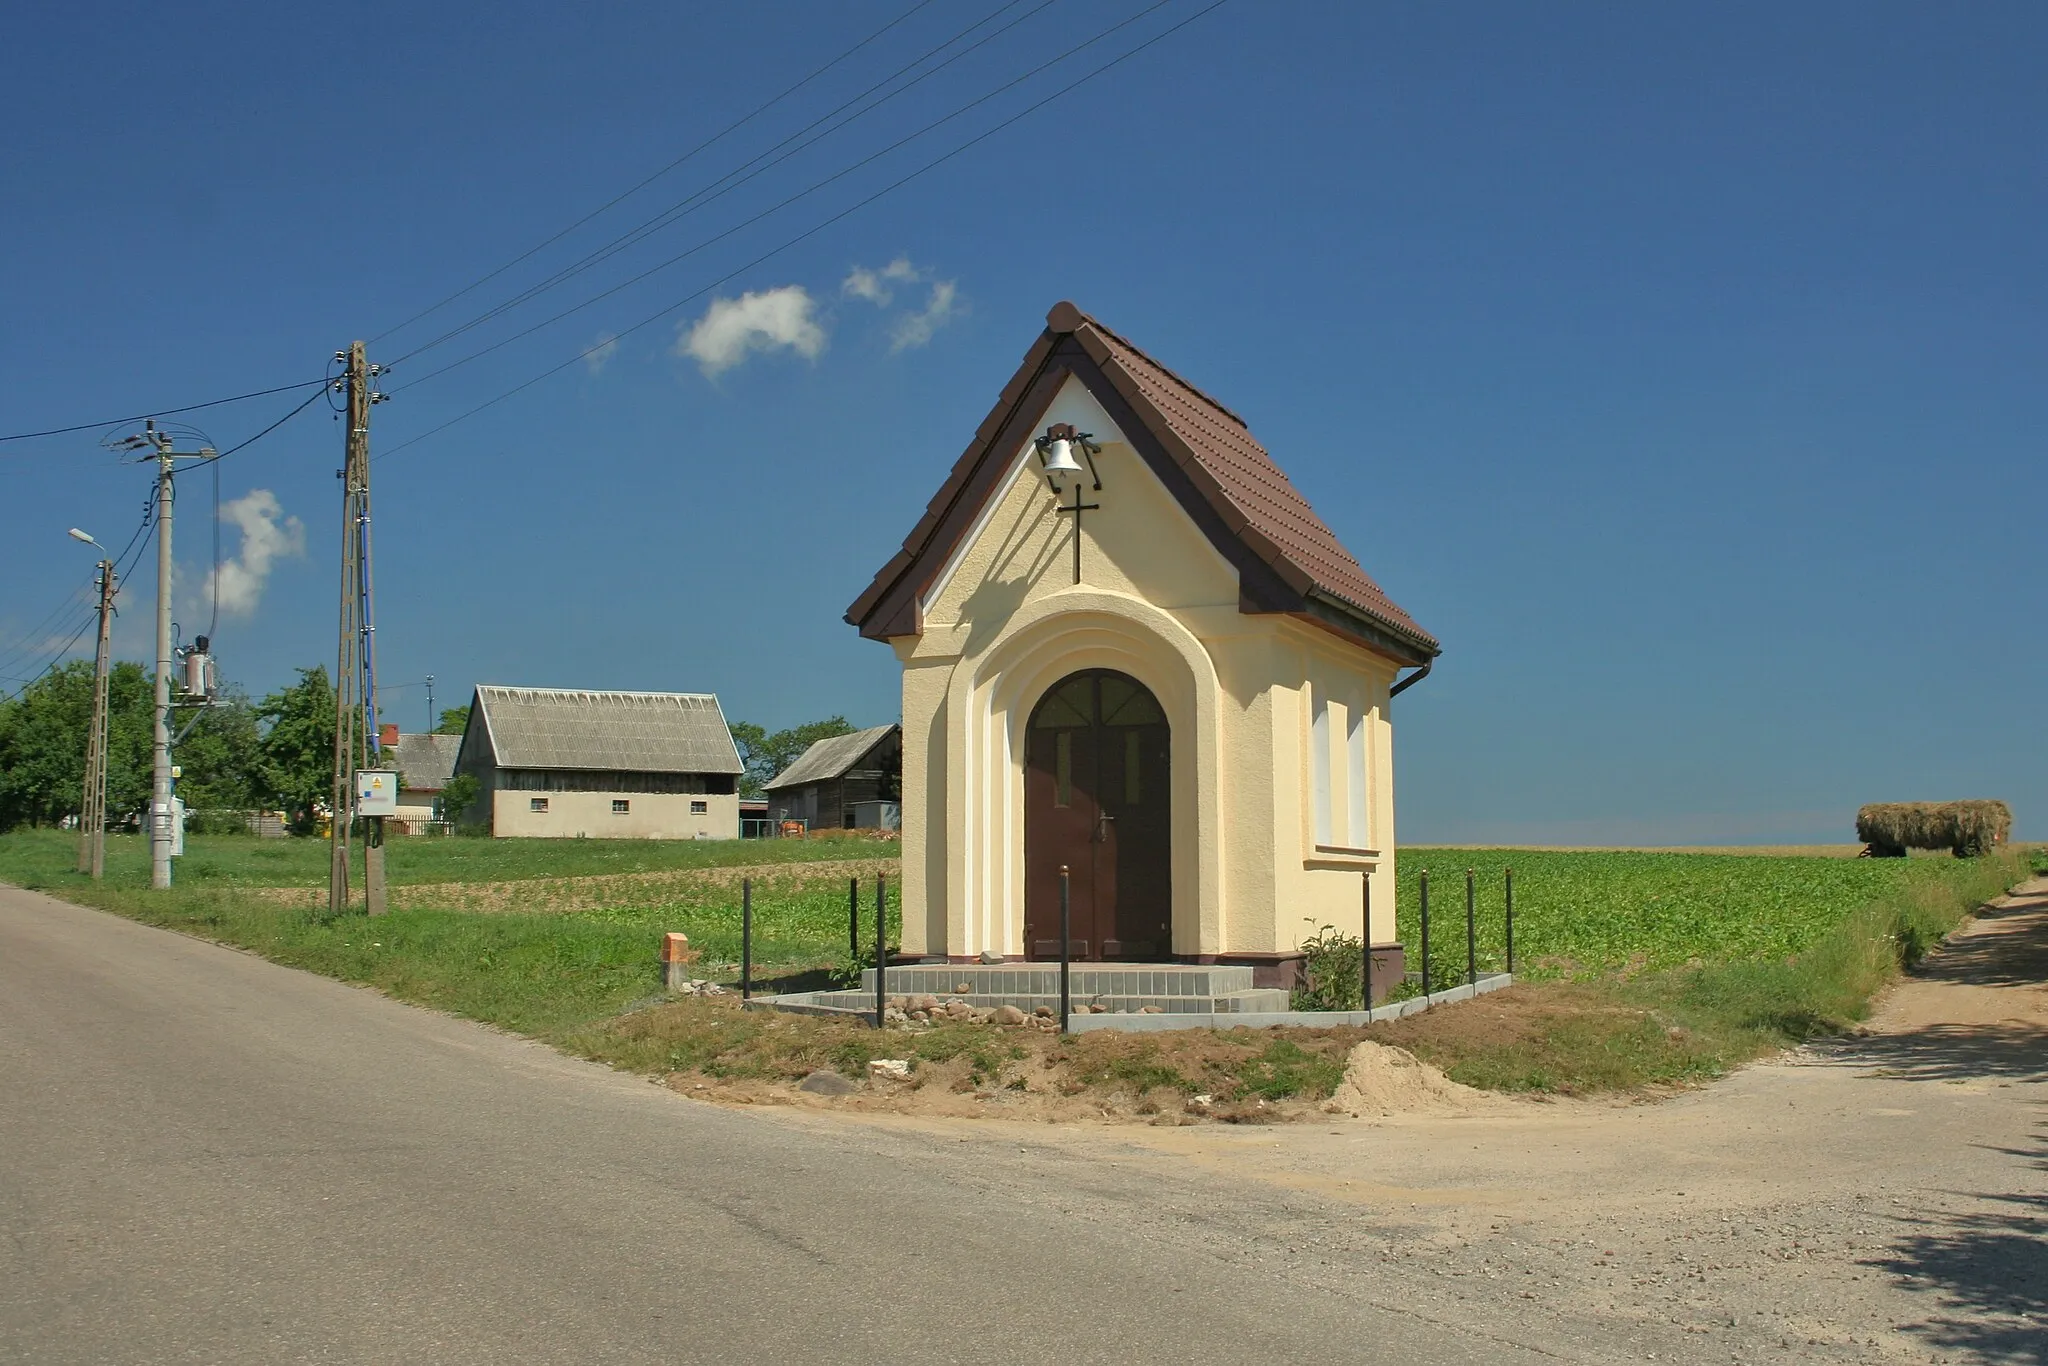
(1137,662)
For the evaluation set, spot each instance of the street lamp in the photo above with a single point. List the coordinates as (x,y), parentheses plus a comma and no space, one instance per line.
(86,537)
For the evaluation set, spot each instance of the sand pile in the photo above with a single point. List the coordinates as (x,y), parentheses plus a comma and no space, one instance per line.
(1379,1080)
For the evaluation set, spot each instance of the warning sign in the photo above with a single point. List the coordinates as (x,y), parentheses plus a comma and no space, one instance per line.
(376,793)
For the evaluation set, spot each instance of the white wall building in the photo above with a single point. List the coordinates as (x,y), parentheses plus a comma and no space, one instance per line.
(562,762)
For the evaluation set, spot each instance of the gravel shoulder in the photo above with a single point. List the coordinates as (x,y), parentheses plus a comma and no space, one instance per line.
(1882,1198)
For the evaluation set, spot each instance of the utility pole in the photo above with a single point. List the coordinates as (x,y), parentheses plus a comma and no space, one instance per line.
(162,816)
(355,673)
(433,717)
(160,813)
(92,847)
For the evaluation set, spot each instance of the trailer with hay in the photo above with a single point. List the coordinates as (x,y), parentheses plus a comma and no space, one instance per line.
(1966,829)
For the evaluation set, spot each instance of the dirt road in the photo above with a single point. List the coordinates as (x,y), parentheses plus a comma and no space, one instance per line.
(1884,1198)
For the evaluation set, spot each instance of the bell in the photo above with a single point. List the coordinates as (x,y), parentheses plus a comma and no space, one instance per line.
(1059,461)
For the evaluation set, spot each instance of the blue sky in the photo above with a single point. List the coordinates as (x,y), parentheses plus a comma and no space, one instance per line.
(1679,366)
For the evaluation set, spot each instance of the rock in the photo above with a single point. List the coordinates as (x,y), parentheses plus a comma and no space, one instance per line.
(889,1069)
(1007,1015)
(827,1083)
(1043,1012)
(921,1016)
(990,957)
(1151,1010)
(927,1003)
(962,988)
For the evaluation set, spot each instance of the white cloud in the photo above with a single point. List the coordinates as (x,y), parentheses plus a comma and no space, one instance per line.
(873,285)
(916,329)
(267,536)
(767,321)
(600,353)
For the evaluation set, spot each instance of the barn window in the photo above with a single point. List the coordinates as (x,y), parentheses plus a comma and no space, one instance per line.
(700,808)
(536,803)
(620,806)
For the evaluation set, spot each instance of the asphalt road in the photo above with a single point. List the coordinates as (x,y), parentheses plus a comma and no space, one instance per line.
(208,1158)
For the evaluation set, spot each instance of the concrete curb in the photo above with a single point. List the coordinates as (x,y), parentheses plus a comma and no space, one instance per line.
(1310,1019)
(1146,1024)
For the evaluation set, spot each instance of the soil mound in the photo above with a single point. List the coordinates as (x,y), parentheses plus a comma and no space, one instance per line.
(1380,1080)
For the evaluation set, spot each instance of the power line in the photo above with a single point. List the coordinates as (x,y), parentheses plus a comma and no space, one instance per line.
(821,184)
(722,133)
(22,647)
(812,231)
(160,412)
(244,445)
(25,648)
(752,167)
(53,659)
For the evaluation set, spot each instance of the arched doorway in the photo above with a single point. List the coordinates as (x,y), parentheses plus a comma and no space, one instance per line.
(1096,799)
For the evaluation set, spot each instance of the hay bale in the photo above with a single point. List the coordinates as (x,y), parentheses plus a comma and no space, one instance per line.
(1966,829)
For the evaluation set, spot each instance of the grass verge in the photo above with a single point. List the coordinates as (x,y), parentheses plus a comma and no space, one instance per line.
(1692,1023)
(1672,968)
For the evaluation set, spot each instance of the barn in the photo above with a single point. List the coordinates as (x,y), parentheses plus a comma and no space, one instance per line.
(843,782)
(565,762)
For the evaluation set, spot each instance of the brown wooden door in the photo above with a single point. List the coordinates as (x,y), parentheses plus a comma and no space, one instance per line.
(1096,801)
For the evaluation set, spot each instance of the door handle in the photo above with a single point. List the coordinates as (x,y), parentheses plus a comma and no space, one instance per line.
(1102,820)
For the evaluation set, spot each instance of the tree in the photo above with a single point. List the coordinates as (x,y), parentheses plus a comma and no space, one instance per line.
(42,744)
(457,795)
(454,720)
(296,769)
(220,760)
(763,755)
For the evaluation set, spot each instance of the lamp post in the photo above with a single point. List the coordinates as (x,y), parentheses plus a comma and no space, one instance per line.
(92,812)
(1056,457)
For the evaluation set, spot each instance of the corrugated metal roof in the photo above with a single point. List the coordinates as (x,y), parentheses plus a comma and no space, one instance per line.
(830,757)
(427,761)
(620,732)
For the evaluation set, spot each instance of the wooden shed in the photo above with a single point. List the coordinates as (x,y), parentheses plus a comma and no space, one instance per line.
(843,783)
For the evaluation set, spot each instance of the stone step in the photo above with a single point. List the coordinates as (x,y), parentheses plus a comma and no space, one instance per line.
(1191,980)
(1234,1002)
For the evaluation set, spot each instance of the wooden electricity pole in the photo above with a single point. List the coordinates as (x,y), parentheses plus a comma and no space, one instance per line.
(355,672)
(92,844)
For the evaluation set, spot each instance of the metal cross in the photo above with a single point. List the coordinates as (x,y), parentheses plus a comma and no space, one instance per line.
(1077,507)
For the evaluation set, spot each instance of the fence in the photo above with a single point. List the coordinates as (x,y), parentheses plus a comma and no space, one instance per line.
(1439,965)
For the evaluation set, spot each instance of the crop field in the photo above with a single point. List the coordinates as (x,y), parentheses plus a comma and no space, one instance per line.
(245,861)
(1643,968)
(1579,914)
(1585,914)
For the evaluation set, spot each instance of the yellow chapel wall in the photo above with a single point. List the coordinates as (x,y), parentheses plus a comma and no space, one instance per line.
(1004,621)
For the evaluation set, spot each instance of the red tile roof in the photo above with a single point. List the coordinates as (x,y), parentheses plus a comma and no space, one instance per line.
(1258,505)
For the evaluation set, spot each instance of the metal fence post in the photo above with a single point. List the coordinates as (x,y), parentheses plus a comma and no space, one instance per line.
(881,947)
(1471,934)
(1511,919)
(1365,947)
(1425,932)
(1066,950)
(746,938)
(853,920)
